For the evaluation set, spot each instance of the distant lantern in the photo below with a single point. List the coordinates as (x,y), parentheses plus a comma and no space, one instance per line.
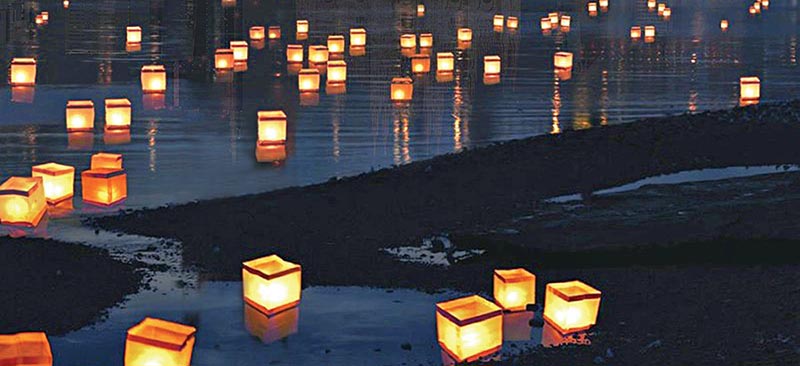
(752,10)
(464,34)
(336,43)
(155,342)
(514,289)
(756,5)
(274,32)
(566,21)
(25,349)
(106,161)
(571,306)
(402,89)
(498,20)
(23,72)
(426,40)
(154,79)
(512,23)
(592,7)
(651,4)
(240,50)
(667,13)
(562,60)
(765,4)
(223,59)
(104,187)
(408,41)
(420,10)
(420,64)
(723,24)
(271,284)
(545,24)
(46,15)
(80,116)
(445,62)
(553,17)
(294,53)
(469,327)
(65,3)
(636,32)
(133,34)
(318,54)
(58,180)
(308,80)
(650,31)
(358,37)
(271,127)
(491,65)
(22,201)
(337,72)
(302,26)
(39,20)
(602,3)
(749,88)
(257,33)
(118,114)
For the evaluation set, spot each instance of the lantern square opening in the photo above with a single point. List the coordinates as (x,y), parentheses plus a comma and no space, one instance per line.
(602,3)
(512,23)
(445,62)
(302,26)
(402,89)
(271,284)
(58,181)
(514,289)
(426,40)
(723,24)
(274,32)
(337,72)
(469,327)
(498,20)
(240,50)
(464,34)
(25,349)
(118,114)
(294,53)
(271,127)
(104,187)
(159,342)
(154,79)
(420,63)
(491,65)
(336,43)
(420,10)
(133,34)
(22,201)
(408,41)
(749,88)
(23,72)
(308,80)
(80,116)
(318,54)
(562,60)
(223,59)
(257,33)
(591,7)
(358,37)
(106,161)
(571,306)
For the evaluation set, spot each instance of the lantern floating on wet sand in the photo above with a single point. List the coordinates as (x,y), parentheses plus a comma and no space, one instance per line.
(271,284)
(133,34)
(566,21)
(156,342)
(445,62)
(465,34)
(337,72)
(118,114)
(25,349)
(469,327)
(545,24)
(22,201)
(294,53)
(358,37)
(636,32)
(58,180)
(257,33)
(512,23)
(723,24)
(562,60)
(80,116)
(65,3)
(514,289)
(420,64)
(498,20)
(104,187)
(23,72)
(39,20)
(240,50)
(106,161)
(302,26)
(274,32)
(308,80)
(271,127)
(749,88)
(491,65)
(571,306)
(336,43)
(402,89)
(154,79)
(223,59)
(318,54)
(408,41)
(426,40)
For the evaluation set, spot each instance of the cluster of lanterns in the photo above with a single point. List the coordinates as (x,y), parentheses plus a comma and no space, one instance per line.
(555,21)
(593,6)
(757,6)
(499,21)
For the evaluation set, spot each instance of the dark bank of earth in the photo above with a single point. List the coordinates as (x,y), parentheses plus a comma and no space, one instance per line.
(56,287)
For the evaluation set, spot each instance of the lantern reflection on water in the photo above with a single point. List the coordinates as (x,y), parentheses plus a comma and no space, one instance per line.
(308,80)
(571,306)
(749,88)
(357,51)
(469,327)
(156,342)
(257,33)
(104,187)
(133,34)
(464,34)
(491,65)
(420,63)
(426,40)
(336,43)
(517,326)
(223,59)
(154,79)
(545,24)
(358,37)
(25,349)
(552,337)
(22,201)
(337,72)
(445,62)
(58,181)
(118,114)
(240,50)
(271,127)
(402,89)
(302,26)
(514,289)
(80,116)
(270,328)
(318,54)
(723,24)
(23,72)
(566,21)
(636,32)
(271,284)
(408,41)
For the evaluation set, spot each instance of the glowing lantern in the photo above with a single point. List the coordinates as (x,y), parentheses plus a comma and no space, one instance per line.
(228,3)
(133,34)
(154,79)
(23,72)
(80,115)
(271,284)
(545,24)
(156,342)
(566,21)
(106,161)
(58,180)
(420,10)
(498,20)
(562,60)
(271,127)
(514,289)
(445,62)
(274,32)
(302,26)
(512,23)
(240,49)
(336,44)
(317,54)
(553,17)
(358,37)
(420,63)
(469,328)
(223,59)
(465,35)
(636,32)
(308,80)
(46,15)
(118,114)
(651,4)
(39,20)
(402,89)
(650,31)
(257,33)
(426,40)
(491,65)
(337,72)
(723,24)
(294,53)
(602,3)
(270,328)
(104,187)
(25,349)
(749,88)
(65,3)
(22,201)
(592,7)
(571,306)
(408,41)
(667,13)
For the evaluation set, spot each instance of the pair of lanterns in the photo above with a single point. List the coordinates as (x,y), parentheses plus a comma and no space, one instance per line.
(80,115)
(106,182)
(31,348)
(749,89)
(499,20)
(271,284)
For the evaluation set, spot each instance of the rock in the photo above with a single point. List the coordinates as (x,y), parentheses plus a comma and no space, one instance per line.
(405,346)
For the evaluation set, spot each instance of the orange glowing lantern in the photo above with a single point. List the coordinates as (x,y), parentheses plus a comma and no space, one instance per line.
(420,10)
(592,7)
(553,17)
(571,306)
(337,72)
(25,349)
(420,63)
(223,59)
(118,114)
(156,342)
(23,94)
(240,50)
(408,41)
(402,89)
(562,60)
(498,20)
(23,72)
(80,116)
(133,34)
(651,4)
(765,4)
(661,7)
(469,327)
(514,289)
(566,21)
(667,13)
(257,33)
(294,53)
(106,161)
(308,80)
(22,201)
(636,32)
(512,23)
(603,4)
(154,79)
(274,32)
(464,35)
(445,62)
(545,24)
(491,65)
(65,3)
(104,187)
(336,44)
(271,284)
(302,26)
(358,37)
(723,24)
(749,88)
(650,31)
(318,54)
(271,127)
(58,180)
(426,40)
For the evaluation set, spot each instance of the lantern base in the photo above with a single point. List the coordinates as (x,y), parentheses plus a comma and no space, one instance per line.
(271,312)
(56,201)
(105,205)
(31,223)
(567,330)
(471,358)
(82,129)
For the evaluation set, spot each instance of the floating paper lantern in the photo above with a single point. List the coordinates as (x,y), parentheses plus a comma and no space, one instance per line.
(667,13)
(336,44)
(223,59)
(302,26)
(545,24)
(318,54)
(65,3)
(46,15)
(756,5)
(358,37)
(661,7)
(80,116)
(154,79)
(337,72)
(765,4)
(514,289)
(23,72)
(25,349)
(562,60)
(426,40)
(602,3)
(420,10)
(294,53)
(571,306)
(469,328)
(118,114)
(357,51)
(491,65)
(22,201)
(133,34)
(592,7)
(257,33)
(58,180)
(749,88)
(156,342)
(723,24)
(271,127)
(636,32)
(420,63)
(408,41)
(104,187)
(566,21)
(553,17)
(106,161)
(512,23)
(274,32)
(650,31)
(240,50)
(228,3)
(271,284)
(445,62)
(651,4)
(498,20)
(308,80)
(464,34)
(270,328)
(402,89)
(117,137)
